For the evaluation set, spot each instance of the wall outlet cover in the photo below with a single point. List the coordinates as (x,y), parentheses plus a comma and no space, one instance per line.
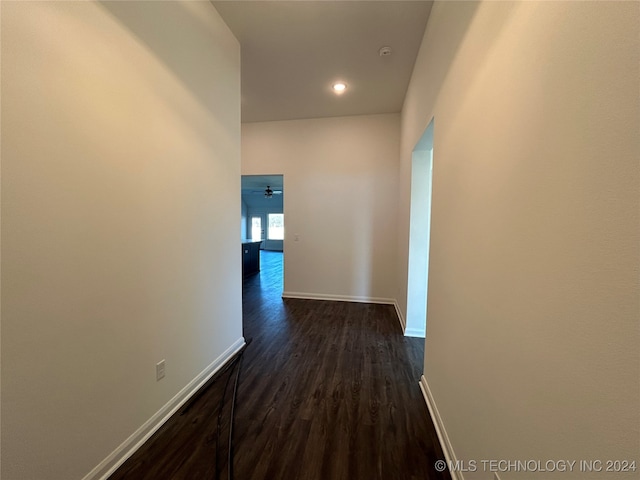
(160,370)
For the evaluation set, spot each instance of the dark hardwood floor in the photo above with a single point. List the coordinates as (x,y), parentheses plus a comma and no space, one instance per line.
(328,391)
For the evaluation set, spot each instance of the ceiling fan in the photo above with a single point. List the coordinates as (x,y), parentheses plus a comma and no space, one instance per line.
(268,193)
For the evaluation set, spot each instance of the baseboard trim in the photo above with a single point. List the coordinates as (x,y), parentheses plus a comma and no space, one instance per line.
(445,443)
(414,332)
(337,298)
(403,322)
(127,448)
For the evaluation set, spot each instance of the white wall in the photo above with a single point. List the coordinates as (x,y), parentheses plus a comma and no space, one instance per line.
(532,343)
(116,252)
(341,177)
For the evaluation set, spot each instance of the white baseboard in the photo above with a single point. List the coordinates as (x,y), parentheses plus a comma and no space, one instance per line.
(449,454)
(403,322)
(414,332)
(338,298)
(127,448)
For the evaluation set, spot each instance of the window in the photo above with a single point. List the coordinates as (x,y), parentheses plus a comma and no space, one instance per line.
(276,226)
(256,229)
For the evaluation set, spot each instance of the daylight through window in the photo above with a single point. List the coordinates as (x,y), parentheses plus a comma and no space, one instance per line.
(276,226)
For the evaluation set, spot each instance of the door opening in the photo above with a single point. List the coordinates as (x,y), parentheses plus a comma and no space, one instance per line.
(257,231)
(263,220)
(419,234)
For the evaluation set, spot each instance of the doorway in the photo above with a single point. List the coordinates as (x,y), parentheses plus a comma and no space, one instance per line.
(419,234)
(263,221)
(257,227)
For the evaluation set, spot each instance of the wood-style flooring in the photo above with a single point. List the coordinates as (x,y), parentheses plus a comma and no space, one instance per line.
(328,391)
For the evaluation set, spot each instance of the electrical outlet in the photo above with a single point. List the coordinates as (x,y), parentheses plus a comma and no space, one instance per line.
(160,370)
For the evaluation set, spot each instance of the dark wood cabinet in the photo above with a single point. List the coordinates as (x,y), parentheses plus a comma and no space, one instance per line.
(250,258)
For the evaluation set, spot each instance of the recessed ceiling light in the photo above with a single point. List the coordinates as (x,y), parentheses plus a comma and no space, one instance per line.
(339,87)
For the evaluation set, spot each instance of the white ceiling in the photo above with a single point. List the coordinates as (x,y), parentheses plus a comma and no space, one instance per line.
(254,183)
(293,51)
(253,187)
